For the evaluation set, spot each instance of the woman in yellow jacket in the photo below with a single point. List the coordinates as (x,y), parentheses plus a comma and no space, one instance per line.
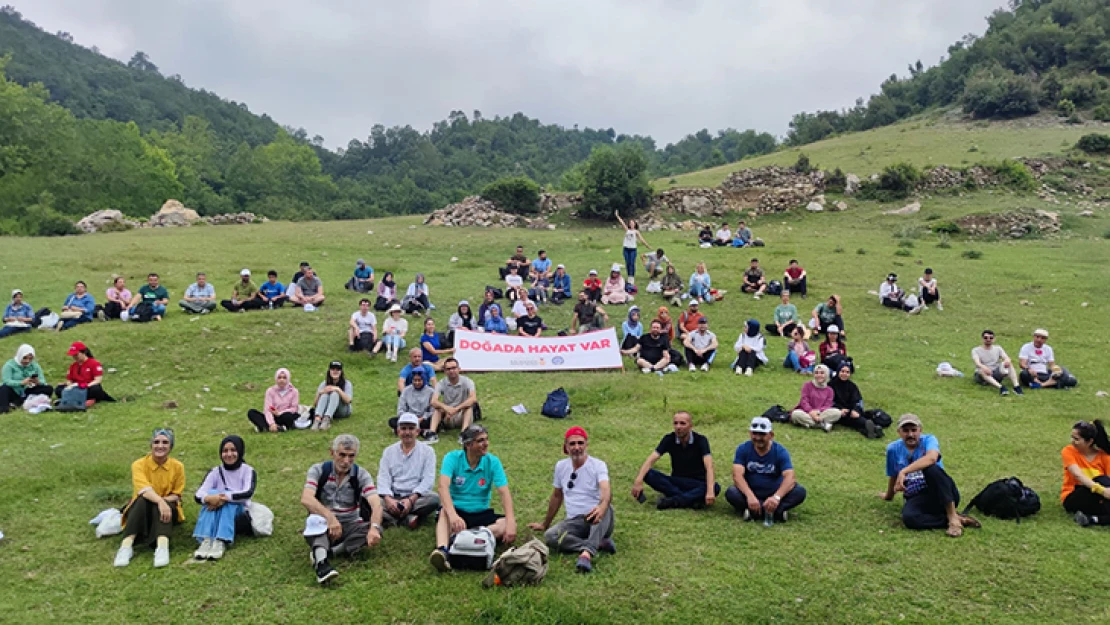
(155,505)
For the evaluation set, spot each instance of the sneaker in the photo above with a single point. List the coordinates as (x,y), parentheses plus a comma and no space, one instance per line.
(608,546)
(739,371)
(203,550)
(351,348)
(1082,519)
(1035,385)
(747,514)
(161,557)
(645,370)
(705,367)
(783,516)
(870,429)
(583,565)
(325,424)
(671,368)
(1017,391)
(412,521)
(217,551)
(659,373)
(924,307)
(324,572)
(827,426)
(693,368)
(315,424)
(940,306)
(914,311)
(101,316)
(748,372)
(431,438)
(123,557)
(756,296)
(205,311)
(1003,392)
(439,560)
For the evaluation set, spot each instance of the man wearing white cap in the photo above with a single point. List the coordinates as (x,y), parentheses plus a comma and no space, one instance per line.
(913,467)
(407,476)
(763,476)
(18,316)
(345,512)
(1038,365)
(244,295)
(200,297)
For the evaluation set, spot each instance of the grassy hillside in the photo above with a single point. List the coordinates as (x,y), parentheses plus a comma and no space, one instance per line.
(921,141)
(844,558)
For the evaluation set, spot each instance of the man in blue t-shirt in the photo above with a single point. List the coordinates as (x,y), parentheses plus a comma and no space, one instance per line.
(691,483)
(363,280)
(416,363)
(272,293)
(467,478)
(763,476)
(913,467)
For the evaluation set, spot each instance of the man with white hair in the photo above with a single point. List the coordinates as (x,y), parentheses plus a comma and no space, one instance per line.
(407,476)
(582,483)
(763,476)
(1038,365)
(345,512)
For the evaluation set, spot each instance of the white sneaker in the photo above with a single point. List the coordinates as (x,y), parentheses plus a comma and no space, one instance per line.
(203,550)
(161,557)
(739,371)
(756,296)
(645,370)
(693,368)
(827,426)
(705,367)
(671,368)
(217,550)
(940,306)
(748,372)
(123,557)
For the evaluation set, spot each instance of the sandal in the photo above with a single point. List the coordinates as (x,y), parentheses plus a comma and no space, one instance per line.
(970,521)
(955,531)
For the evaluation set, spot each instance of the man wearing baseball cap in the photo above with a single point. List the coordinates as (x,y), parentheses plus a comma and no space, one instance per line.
(688,320)
(466,481)
(913,467)
(244,295)
(763,476)
(363,280)
(582,482)
(701,344)
(407,477)
(200,297)
(1038,365)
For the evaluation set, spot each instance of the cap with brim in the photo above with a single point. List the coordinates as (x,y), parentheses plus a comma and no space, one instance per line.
(408,419)
(615,267)
(76,348)
(245,272)
(1040,332)
(760,425)
(704,321)
(395,308)
(892,276)
(907,419)
(831,329)
(560,266)
(593,272)
(315,525)
(335,364)
(16,292)
(360,262)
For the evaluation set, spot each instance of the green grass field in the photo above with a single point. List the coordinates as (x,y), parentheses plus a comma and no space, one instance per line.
(922,141)
(844,558)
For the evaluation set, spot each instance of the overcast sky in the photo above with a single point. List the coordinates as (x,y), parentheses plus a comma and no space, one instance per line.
(665,68)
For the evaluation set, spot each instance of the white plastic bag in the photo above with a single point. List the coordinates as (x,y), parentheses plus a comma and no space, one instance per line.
(36,404)
(654,286)
(49,321)
(108,523)
(262,519)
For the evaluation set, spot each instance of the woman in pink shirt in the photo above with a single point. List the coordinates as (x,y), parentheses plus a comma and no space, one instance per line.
(282,406)
(119,299)
(816,406)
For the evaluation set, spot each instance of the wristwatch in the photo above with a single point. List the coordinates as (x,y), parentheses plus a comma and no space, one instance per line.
(777,498)
(377,527)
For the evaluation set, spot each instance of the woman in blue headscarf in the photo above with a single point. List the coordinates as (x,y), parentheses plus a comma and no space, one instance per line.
(632,329)
(495,323)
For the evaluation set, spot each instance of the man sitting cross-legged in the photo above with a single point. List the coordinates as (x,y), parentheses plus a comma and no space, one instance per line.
(763,476)
(691,483)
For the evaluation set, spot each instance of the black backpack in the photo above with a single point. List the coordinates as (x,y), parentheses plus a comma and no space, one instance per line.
(1006,499)
(777,414)
(879,417)
(326,470)
(497,293)
(144,312)
(557,405)
(774,287)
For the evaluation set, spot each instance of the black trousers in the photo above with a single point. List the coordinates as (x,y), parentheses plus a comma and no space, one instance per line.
(693,358)
(112,310)
(144,522)
(594,295)
(926,510)
(8,396)
(1082,499)
(928,297)
(796,287)
(252,304)
(286,419)
(773,330)
(95,391)
(747,360)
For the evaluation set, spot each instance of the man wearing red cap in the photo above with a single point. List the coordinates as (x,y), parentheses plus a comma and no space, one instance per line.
(85,373)
(583,483)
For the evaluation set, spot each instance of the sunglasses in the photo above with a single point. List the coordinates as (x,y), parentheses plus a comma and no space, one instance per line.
(573,476)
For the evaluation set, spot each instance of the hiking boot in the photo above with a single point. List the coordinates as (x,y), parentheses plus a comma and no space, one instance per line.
(583,565)
(203,550)
(1081,519)
(123,557)
(439,560)
(1017,391)
(325,572)
(161,557)
(217,550)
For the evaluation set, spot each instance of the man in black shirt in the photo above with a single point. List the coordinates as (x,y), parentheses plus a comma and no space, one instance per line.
(588,316)
(653,351)
(531,324)
(691,483)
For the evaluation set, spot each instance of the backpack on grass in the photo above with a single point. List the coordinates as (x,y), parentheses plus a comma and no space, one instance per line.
(557,405)
(1007,498)
(472,550)
(774,287)
(519,566)
(777,414)
(879,417)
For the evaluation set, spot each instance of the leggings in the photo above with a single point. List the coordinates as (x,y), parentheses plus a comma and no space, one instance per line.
(285,419)
(1082,499)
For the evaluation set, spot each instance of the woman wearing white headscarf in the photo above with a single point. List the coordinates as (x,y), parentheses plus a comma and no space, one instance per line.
(21,378)
(282,406)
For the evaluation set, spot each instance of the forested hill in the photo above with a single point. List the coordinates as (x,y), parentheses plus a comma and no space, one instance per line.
(123,136)
(1035,55)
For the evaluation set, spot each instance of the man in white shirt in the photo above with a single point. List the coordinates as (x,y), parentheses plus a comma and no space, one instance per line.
(582,483)
(701,346)
(1038,365)
(993,365)
(930,293)
(362,331)
(723,237)
(407,477)
(892,296)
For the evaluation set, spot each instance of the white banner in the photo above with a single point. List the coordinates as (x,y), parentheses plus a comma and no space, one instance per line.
(479,351)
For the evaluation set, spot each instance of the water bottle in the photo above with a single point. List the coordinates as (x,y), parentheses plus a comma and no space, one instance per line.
(768,519)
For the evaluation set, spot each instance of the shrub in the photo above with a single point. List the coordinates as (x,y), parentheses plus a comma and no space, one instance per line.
(802,165)
(1001,93)
(1065,107)
(1014,174)
(896,182)
(840,250)
(972,254)
(946,227)
(1094,143)
(1075,119)
(905,244)
(944,242)
(861,251)
(903,252)
(519,196)
(1101,113)
(836,181)
(1106,235)
(1084,90)
(615,181)
(908,232)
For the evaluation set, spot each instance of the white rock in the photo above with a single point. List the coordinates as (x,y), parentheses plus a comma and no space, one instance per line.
(814,207)
(1102,394)
(908,209)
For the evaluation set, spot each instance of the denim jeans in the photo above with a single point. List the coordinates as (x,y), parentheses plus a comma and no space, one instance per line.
(218,523)
(630,261)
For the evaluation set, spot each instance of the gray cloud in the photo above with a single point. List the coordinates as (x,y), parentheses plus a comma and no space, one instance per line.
(659,67)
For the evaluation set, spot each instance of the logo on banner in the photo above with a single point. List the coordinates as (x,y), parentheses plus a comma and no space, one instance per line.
(558,360)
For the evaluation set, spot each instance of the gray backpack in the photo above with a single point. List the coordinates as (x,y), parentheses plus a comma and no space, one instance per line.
(73,399)
(519,566)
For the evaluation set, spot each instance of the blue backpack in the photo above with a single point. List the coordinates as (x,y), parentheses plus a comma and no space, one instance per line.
(557,405)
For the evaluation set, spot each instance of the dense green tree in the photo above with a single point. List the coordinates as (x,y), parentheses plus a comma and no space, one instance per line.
(616,182)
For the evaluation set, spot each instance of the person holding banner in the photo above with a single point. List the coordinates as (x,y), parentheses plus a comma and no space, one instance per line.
(454,400)
(691,483)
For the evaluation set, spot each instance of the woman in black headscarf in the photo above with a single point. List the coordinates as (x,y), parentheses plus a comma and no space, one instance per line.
(749,349)
(387,292)
(848,400)
(224,498)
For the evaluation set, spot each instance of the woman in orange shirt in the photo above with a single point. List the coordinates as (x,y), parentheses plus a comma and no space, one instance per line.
(1086,491)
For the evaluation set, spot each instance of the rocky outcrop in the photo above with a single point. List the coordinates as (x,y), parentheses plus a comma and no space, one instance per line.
(943,177)
(173,213)
(234,219)
(554,202)
(908,209)
(1013,224)
(473,211)
(782,188)
(106,221)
